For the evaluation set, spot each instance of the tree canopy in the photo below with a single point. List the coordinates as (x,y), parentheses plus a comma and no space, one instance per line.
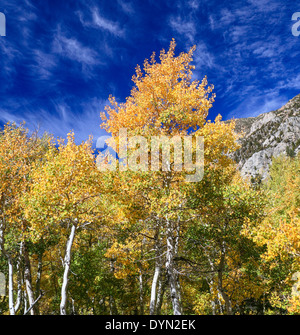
(80,237)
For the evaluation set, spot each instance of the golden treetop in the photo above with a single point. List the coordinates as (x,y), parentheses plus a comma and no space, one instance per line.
(164,99)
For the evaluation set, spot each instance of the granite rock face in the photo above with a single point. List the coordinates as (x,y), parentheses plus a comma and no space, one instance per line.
(268,135)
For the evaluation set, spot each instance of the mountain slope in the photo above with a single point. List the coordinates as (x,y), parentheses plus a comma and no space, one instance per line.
(267,135)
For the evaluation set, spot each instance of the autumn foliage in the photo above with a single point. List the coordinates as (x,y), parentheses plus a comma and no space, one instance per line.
(76,239)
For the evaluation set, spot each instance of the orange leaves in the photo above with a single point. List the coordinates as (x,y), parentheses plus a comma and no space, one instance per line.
(220,140)
(18,151)
(163,100)
(14,158)
(65,188)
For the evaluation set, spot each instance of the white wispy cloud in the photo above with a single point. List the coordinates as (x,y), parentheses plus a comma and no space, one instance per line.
(224,19)
(253,57)
(292,82)
(92,19)
(194,4)
(265,6)
(108,25)
(10,54)
(184,27)
(203,57)
(43,64)
(84,119)
(257,104)
(73,49)
(126,7)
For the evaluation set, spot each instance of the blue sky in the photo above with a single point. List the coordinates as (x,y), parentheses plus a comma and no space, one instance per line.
(60,60)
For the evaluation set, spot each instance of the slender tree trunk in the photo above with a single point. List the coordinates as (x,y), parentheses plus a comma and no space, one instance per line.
(25,301)
(19,279)
(176,247)
(10,287)
(174,292)
(73,307)
(213,303)
(38,280)
(34,303)
(221,307)
(112,306)
(141,288)
(10,268)
(141,281)
(213,307)
(162,284)
(67,262)
(27,279)
(220,281)
(153,289)
(225,297)
(155,278)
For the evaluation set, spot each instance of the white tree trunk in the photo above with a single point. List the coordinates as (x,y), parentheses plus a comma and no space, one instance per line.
(10,270)
(67,262)
(224,295)
(27,279)
(19,280)
(141,293)
(10,288)
(34,303)
(153,289)
(160,293)
(175,296)
(157,270)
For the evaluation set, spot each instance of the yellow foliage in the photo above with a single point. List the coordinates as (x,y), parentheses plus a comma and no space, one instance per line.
(164,99)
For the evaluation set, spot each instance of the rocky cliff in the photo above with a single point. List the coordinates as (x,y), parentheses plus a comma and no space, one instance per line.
(267,135)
